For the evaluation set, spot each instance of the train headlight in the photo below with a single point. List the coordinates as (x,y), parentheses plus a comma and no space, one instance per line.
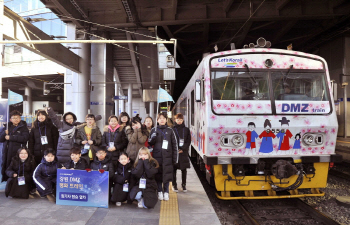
(308,139)
(237,140)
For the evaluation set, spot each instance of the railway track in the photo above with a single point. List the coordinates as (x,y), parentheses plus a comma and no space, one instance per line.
(269,211)
(281,211)
(341,170)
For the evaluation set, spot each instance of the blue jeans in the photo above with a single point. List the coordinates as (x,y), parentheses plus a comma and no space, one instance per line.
(138,197)
(161,186)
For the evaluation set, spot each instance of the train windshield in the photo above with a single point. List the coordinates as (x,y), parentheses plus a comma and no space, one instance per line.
(300,86)
(286,85)
(240,85)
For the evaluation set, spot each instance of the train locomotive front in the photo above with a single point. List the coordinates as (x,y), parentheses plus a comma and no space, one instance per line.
(262,119)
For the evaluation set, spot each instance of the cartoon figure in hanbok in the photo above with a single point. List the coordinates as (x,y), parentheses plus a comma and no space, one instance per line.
(296,146)
(266,137)
(251,136)
(284,135)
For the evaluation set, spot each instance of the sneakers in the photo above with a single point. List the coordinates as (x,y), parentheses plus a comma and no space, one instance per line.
(184,188)
(175,188)
(160,196)
(166,196)
(118,204)
(140,203)
(51,198)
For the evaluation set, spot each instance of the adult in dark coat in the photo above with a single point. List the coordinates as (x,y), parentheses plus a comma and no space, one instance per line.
(15,138)
(183,137)
(112,134)
(22,165)
(45,175)
(147,169)
(67,133)
(121,176)
(42,126)
(164,136)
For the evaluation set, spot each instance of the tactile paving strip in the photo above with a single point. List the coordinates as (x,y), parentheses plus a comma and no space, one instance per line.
(169,210)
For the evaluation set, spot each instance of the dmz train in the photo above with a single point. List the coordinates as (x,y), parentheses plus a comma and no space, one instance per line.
(262,119)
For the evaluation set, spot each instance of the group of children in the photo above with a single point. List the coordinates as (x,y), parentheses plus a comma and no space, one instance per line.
(141,159)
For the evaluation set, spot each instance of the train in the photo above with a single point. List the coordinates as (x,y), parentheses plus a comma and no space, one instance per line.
(262,121)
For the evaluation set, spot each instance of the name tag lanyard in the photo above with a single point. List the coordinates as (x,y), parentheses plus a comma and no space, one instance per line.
(41,137)
(183,135)
(19,169)
(165,141)
(109,138)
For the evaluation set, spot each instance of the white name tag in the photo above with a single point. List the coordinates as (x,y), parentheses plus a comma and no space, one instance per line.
(165,144)
(111,144)
(44,140)
(126,187)
(87,146)
(21,181)
(142,184)
(182,141)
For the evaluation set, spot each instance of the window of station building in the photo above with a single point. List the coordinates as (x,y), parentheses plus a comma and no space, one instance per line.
(192,108)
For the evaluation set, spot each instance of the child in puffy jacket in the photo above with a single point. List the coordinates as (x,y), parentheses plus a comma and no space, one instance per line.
(122,179)
(45,175)
(103,163)
(76,162)
(144,172)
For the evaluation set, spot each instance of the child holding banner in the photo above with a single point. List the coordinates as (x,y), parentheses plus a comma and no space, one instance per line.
(76,162)
(145,188)
(45,175)
(15,137)
(103,162)
(20,172)
(122,179)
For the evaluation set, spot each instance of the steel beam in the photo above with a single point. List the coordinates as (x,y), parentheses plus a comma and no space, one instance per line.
(18,30)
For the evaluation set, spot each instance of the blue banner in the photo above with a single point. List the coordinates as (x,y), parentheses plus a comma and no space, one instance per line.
(81,188)
(3,112)
(163,96)
(14,98)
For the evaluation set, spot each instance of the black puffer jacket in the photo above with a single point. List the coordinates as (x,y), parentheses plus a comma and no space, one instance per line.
(105,165)
(121,176)
(165,157)
(47,129)
(45,176)
(65,143)
(182,132)
(80,165)
(20,168)
(18,138)
(145,169)
(120,142)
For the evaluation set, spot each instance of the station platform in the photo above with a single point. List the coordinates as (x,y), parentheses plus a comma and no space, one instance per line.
(189,208)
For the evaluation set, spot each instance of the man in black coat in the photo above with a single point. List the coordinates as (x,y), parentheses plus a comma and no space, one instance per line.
(14,138)
(183,137)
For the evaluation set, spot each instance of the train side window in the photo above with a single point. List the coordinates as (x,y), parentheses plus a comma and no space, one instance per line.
(192,108)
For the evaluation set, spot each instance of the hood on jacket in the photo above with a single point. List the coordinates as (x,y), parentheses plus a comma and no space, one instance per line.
(74,118)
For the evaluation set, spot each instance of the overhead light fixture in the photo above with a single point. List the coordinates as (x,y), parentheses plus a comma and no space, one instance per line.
(53,36)
(69,47)
(33,20)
